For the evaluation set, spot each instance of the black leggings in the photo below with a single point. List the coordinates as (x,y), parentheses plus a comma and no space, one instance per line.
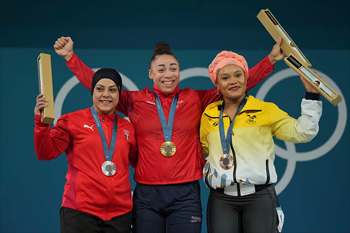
(74,221)
(251,213)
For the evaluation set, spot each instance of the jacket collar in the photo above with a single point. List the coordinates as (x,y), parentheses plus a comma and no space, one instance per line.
(253,104)
(161,94)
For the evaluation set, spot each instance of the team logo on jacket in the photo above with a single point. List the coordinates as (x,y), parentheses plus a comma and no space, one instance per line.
(90,127)
(149,102)
(126,133)
(251,119)
(216,124)
(179,102)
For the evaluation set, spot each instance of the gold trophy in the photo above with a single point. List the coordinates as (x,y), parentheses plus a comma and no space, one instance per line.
(295,58)
(45,86)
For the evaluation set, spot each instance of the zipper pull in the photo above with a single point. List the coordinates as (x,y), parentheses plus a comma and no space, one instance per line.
(103,118)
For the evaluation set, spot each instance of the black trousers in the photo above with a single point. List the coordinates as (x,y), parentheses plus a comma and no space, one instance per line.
(74,221)
(243,214)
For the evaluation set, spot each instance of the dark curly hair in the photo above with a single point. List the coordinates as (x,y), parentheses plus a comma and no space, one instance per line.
(161,48)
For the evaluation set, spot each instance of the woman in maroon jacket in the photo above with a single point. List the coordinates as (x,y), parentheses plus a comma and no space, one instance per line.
(166,120)
(98,144)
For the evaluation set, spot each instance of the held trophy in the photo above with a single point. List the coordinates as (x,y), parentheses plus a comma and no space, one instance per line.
(295,58)
(45,86)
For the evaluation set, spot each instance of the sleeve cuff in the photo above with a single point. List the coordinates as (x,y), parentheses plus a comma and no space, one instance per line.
(312,96)
(267,59)
(37,121)
(71,60)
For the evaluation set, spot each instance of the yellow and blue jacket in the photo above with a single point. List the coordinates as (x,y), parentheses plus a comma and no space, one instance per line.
(252,145)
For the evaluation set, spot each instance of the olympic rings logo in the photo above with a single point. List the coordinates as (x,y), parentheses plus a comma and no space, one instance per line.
(290,154)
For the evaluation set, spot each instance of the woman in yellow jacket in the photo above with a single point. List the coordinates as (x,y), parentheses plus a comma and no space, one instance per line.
(237,141)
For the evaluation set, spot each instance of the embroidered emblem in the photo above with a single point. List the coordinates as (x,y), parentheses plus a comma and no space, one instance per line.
(90,127)
(179,102)
(251,119)
(216,124)
(126,133)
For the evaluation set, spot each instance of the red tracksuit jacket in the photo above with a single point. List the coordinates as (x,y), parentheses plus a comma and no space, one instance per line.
(87,188)
(152,167)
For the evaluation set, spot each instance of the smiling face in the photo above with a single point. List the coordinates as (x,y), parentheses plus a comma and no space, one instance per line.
(105,96)
(165,72)
(232,82)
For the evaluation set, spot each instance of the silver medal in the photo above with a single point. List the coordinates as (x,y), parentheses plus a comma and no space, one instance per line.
(108,168)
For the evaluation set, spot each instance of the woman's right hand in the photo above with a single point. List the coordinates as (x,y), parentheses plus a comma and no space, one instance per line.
(64,47)
(41,103)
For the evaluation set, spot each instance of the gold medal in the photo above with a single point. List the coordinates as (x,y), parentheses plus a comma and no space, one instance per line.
(168,149)
(226,161)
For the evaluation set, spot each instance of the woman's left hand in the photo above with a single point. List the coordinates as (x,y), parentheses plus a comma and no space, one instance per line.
(308,86)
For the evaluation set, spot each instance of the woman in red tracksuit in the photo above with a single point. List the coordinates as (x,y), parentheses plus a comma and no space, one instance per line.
(98,144)
(166,121)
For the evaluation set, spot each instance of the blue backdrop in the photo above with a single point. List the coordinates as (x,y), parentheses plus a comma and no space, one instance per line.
(313,182)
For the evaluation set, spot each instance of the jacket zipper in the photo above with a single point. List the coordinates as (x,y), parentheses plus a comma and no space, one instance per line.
(267,172)
(103,118)
(234,171)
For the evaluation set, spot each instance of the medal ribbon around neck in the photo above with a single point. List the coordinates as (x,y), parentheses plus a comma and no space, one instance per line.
(226,142)
(168,148)
(107,152)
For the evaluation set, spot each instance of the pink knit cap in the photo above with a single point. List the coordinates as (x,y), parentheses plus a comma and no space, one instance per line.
(227,58)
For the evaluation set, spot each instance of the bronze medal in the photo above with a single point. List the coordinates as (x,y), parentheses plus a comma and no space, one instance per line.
(226,161)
